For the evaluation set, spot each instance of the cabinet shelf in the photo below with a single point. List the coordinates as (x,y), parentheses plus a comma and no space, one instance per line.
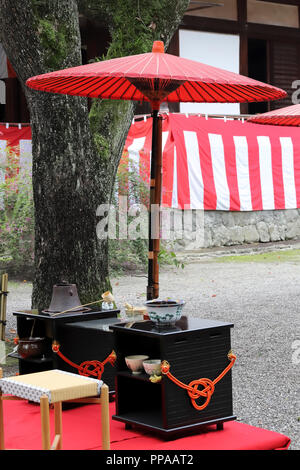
(34,360)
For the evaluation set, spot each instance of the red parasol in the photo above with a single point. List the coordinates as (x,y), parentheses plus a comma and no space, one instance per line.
(289,116)
(155,77)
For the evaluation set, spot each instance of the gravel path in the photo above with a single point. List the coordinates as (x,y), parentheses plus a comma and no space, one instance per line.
(262,299)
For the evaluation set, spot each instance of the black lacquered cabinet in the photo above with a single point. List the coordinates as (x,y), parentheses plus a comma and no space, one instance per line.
(195,349)
(88,341)
(82,337)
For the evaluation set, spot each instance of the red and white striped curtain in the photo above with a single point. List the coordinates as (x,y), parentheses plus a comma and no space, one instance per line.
(15,139)
(214,164)
(207,163)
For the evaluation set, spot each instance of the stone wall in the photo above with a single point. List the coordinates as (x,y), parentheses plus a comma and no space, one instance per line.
(222,228)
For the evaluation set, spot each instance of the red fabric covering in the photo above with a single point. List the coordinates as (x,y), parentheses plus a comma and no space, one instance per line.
(82,431)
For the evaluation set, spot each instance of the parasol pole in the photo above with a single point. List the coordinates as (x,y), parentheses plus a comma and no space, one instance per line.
(153,228)
(157,216)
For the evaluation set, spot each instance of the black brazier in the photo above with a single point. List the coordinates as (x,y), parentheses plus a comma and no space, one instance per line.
(195,349)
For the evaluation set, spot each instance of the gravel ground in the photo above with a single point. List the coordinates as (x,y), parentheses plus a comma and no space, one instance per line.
(262,299)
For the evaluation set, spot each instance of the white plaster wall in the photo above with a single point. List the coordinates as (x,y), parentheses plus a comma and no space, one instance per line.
(218,50)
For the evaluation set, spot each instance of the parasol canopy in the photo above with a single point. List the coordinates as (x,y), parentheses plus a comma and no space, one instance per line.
(155,77)
(288,116)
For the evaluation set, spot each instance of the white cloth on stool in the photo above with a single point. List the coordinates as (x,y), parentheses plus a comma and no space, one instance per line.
(57,385)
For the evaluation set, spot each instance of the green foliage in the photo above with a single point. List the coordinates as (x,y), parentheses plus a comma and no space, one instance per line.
(102,145)
(127,255)
(107,126)
(54,39)
(17,215)
(169,257)
(136,24)
(56,34)
(132,255)
(291,256)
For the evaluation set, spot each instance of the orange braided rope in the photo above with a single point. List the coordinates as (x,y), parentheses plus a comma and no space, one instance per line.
(207,384)
(87,368)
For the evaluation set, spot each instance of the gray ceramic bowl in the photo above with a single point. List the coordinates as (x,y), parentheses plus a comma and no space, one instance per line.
(152,366)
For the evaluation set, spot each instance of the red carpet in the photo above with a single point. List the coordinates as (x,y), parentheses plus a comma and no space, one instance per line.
(82,431)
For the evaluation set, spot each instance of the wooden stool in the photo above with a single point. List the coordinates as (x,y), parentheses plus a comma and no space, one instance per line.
(54,387)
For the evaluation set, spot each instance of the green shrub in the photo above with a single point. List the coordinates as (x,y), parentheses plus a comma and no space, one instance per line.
(16,214)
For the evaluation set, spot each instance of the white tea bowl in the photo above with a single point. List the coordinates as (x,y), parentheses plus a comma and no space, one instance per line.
(135,363)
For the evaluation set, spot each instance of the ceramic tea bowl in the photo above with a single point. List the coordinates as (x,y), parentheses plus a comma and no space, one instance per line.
(152,366)
(164,312)
(135,363)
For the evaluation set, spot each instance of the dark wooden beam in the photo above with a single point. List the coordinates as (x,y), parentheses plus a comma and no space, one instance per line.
(173,47)
(242,20)
(12,100)
(209,24)
(253,30)
(269,71)
(259,31)
(283,2)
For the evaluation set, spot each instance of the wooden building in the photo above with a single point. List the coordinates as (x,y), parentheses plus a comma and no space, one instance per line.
(258,38)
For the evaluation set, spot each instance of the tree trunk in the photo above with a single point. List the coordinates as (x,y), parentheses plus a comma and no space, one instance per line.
(75,156)
(68,179)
